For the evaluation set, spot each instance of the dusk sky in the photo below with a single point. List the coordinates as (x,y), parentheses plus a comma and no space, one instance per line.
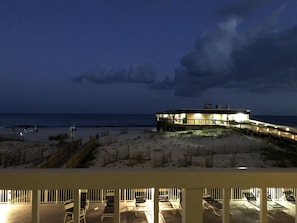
(147,56)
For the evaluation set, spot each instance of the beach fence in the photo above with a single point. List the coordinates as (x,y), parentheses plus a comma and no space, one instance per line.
(20,156)
(134,156)
(187,155)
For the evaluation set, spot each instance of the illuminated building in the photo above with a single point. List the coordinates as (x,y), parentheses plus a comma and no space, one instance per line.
(183,119)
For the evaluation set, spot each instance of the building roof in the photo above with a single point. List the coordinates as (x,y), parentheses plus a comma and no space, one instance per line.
(206,111)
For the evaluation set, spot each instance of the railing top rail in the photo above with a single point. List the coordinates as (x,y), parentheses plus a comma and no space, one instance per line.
(145,178)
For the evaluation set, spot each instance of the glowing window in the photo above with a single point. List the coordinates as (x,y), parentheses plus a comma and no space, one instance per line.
(239,117)
(182,115)
(197,115)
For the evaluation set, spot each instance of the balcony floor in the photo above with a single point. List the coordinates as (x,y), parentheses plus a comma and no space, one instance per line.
(241,212)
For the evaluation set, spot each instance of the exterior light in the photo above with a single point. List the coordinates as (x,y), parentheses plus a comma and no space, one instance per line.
(242,168)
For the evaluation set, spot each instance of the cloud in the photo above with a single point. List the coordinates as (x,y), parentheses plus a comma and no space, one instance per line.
(165,84)
(134,74)
(269,63)
(240,9)
(227,57)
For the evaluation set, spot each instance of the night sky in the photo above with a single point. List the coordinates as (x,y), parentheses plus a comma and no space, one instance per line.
(147,56)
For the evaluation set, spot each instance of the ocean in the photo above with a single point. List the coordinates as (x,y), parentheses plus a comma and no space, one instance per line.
(287,120)
(107,120)
(80,120)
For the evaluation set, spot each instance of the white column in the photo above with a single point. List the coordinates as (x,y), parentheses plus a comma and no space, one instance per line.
(35,206)
(125,193)
(263,205)
(45,196)
(192,205)
(57,196)
(156,205)
(226,205)
(295,207)
(117,218)
(101,196)
(76,208)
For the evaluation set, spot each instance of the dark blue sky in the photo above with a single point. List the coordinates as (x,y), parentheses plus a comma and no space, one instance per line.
(139,56)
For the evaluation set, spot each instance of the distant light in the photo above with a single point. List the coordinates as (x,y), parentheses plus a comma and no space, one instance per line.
(242,168)
(287,129)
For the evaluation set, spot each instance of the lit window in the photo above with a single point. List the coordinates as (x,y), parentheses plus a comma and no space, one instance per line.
(197,115)
(182,115)
(239,117)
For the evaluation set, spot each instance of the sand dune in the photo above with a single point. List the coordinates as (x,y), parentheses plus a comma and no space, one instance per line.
(142,147)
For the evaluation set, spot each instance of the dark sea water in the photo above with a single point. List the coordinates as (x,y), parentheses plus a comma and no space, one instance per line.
(107,120)
(80,120)
(277,119)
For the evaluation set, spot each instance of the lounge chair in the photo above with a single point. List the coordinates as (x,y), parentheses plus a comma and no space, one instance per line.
(209,202)
(271,205)
(164,203)
(289,196)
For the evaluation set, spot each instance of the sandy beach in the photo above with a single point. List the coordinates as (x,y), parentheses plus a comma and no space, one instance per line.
(140,147)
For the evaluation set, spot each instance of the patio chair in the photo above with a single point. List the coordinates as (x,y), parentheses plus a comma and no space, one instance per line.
(163,195)
(108,211)
(68,216)
(140,197)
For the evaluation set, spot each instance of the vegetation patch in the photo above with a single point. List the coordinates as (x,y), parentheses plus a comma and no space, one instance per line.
(60,138)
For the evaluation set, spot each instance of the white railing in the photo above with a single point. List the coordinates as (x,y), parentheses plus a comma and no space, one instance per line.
(99,195)
(191,181)
(252,125)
